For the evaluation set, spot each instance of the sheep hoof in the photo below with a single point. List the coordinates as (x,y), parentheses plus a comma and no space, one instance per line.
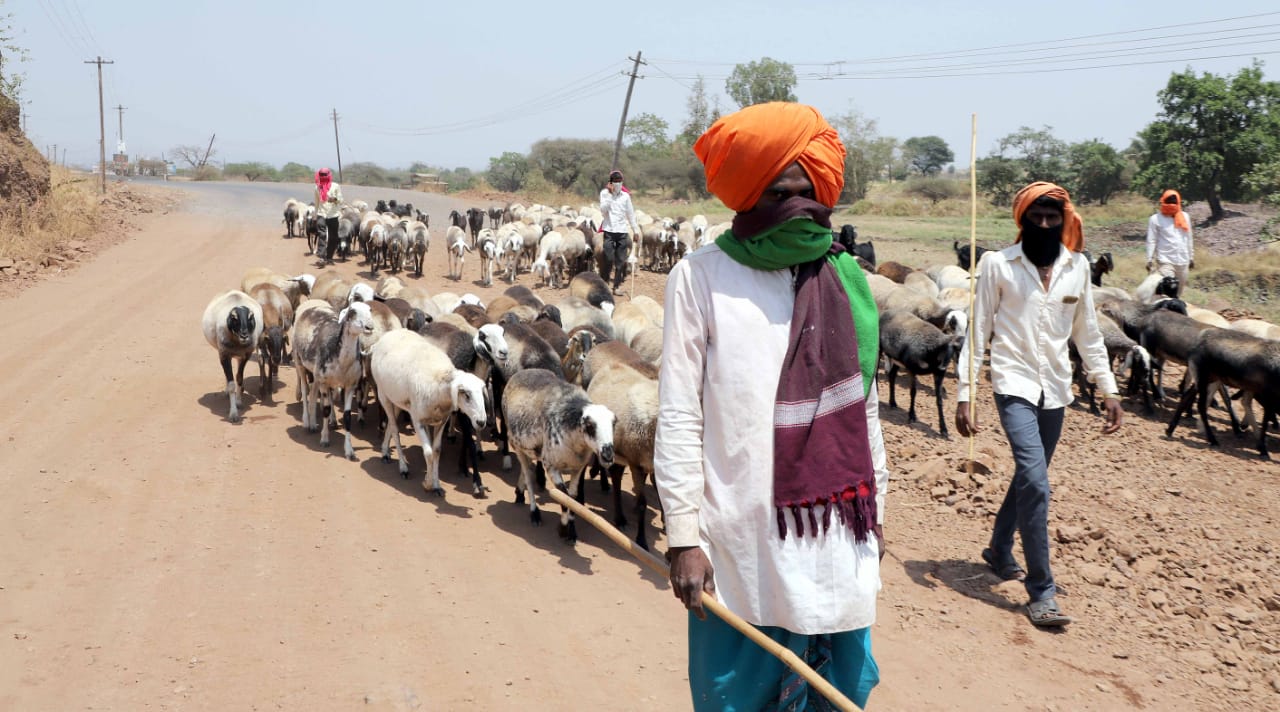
(519,496)
(569,532)
(536,517)
(481,492)
(506,462)
(437,491)
(404,474)
(235,418)
(386,458)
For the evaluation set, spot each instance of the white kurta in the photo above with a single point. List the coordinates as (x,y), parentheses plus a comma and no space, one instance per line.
(726,332)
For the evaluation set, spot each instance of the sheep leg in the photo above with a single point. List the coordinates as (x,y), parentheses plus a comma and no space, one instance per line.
(893,381)
(392,412)
(263,371)
(615,474)
(525,486)
(911,410)
(1249,421)
(938,395)
(431,452)
(1184,406)
(347,396)
(244,361)
(639,476)
(471,448)
(1205,388)
(234,413)
(326,416)
(568,530)
(1268,414)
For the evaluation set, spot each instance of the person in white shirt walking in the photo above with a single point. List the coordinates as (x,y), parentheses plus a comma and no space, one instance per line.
(769,456)
(619,214)
(1170,248)
(328,201)
(1032,298)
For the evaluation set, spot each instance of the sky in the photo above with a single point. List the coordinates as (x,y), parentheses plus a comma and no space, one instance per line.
(453,84)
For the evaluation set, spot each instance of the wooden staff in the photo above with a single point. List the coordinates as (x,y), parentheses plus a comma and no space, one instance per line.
(709,602)
(973,275)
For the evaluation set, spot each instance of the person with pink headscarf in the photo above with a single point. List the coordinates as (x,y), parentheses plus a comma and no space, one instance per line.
(328,200)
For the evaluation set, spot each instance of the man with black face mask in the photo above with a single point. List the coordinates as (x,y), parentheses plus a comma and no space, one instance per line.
(1032,297)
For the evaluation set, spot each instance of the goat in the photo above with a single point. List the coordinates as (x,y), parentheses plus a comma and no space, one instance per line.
(921,348)
(962,254)
(475,220)
(1231,358)
(848,237)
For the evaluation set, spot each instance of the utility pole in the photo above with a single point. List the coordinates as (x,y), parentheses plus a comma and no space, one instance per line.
(617,144)
(121,110)
(102,123)
(336,144)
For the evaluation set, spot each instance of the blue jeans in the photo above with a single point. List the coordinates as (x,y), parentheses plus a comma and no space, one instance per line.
(1033,433)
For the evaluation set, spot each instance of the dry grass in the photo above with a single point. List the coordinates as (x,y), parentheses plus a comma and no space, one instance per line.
(1245,282)
(68,212)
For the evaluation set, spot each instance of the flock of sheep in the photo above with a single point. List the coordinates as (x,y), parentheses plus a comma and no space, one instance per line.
(566,385)
(923,315)
(572,385)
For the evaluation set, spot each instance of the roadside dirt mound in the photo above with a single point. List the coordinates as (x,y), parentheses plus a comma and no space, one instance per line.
(24,174)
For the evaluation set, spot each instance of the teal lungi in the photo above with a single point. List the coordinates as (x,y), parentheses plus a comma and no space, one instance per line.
(730,673)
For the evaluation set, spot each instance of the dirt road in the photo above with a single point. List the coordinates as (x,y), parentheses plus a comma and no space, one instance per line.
(154,556)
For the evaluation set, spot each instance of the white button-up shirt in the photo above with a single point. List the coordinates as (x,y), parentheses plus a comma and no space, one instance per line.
(1028,328)
(332,207)
(617,211)
(1167,243)
(726,331)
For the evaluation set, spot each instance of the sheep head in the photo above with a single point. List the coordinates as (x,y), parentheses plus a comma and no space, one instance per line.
(467,393)
(241,324)
(491,342)
(358,317)
(275,341)
(597,429)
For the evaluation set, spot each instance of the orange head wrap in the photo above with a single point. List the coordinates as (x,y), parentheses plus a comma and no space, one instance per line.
(1072,226)
(745,151)
(1173,209)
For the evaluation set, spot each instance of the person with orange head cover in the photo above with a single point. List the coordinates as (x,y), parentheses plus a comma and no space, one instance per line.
(1034,298)
(769,456)
(1170,246)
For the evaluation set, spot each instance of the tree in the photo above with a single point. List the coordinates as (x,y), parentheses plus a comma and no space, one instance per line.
(1001,178)
(296,173)
(573,163)
(927,154)
(1097,171)
(461,178)
(646,135)
(758,82)
(508,171)
(699,118)
(10,53)
(366,173)
(1211,132)
(1264,182)
(252,171)
(195,155)
(1041,155)
(935,188)
(868,154)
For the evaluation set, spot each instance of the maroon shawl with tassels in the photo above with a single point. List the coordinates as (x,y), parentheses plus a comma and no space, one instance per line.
(821,453)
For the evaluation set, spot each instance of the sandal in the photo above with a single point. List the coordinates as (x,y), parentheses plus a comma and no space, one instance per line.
(1010,571)
(1046,614)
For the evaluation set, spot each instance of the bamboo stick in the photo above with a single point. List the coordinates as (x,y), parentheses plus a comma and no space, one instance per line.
(657,565)
(973,273)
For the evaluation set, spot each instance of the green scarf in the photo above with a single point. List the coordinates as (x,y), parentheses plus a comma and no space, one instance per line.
(801,240)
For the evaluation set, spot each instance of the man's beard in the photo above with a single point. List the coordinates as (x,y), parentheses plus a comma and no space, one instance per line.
(1041,245)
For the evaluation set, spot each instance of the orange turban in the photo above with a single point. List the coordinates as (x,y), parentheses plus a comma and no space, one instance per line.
(745,151)
(1072,226)
(1173,209)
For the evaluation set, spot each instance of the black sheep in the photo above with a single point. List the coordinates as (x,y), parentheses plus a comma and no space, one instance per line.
(962,254)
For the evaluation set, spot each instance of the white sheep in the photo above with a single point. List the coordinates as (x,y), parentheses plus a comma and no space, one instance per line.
(554,423)
(326,350)
(548,247)
(232,324)
(419,243)
(456,239)
(416,377)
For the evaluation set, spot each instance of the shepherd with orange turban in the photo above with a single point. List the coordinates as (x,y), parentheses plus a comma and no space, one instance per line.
(1170,246)
(769,457)
(1033,302)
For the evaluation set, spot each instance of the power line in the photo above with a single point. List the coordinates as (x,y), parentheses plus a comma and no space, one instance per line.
(78,16)
(62,30)
(1020,48)
(572,90)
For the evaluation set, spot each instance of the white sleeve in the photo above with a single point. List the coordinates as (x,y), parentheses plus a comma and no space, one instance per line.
(878,459)
(1151,238)
(1191,243)
(605,199)
(1088,339)
(677,457)
(985,300)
